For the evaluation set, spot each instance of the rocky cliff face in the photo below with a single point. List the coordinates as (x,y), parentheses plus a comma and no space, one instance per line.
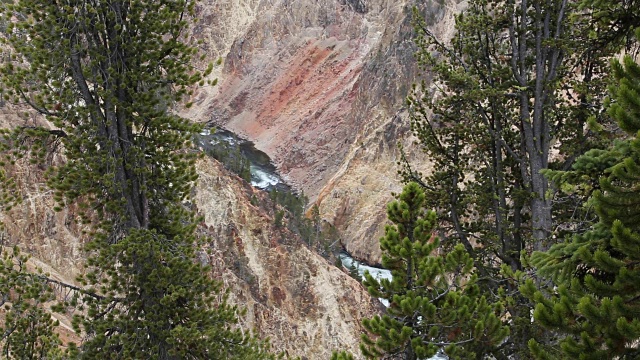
(320,87)
(307,306)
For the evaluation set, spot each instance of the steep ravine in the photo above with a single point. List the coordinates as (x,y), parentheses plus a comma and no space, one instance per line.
(320,87)
(307,306)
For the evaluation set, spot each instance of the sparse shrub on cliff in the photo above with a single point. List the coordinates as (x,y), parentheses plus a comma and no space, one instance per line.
(341,356)
(358,6)
(353,272)
(277,218)
(243,271)
(254,200)
(320,237)
(294,203)
(232,159)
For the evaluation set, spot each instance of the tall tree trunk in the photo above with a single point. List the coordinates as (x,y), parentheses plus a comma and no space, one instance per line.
(545,21)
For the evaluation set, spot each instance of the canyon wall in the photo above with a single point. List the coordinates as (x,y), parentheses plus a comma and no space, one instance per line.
(307,306)
(320,87)
(304,304)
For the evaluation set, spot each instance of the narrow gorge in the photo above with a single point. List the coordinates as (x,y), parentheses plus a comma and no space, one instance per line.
(320,87)
(319,179)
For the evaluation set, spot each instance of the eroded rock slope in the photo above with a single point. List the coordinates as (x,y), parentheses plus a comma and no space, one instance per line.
(303,303)
(307,306)
(319,85)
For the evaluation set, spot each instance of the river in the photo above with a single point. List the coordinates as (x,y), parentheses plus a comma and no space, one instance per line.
(264,175)
(377,273)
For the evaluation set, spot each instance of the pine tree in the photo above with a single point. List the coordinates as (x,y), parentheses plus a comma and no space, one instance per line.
(595,307)
(507,99)
(353,271)
(28,331)
(615,20)
(498,103)
(434,299)
(107,75)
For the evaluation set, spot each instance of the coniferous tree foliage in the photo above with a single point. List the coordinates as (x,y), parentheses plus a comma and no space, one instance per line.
(28,331)
(504,91)
(615,21)
(434,300)
(107,75)
(341,356)
(510,97)
(595,307)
